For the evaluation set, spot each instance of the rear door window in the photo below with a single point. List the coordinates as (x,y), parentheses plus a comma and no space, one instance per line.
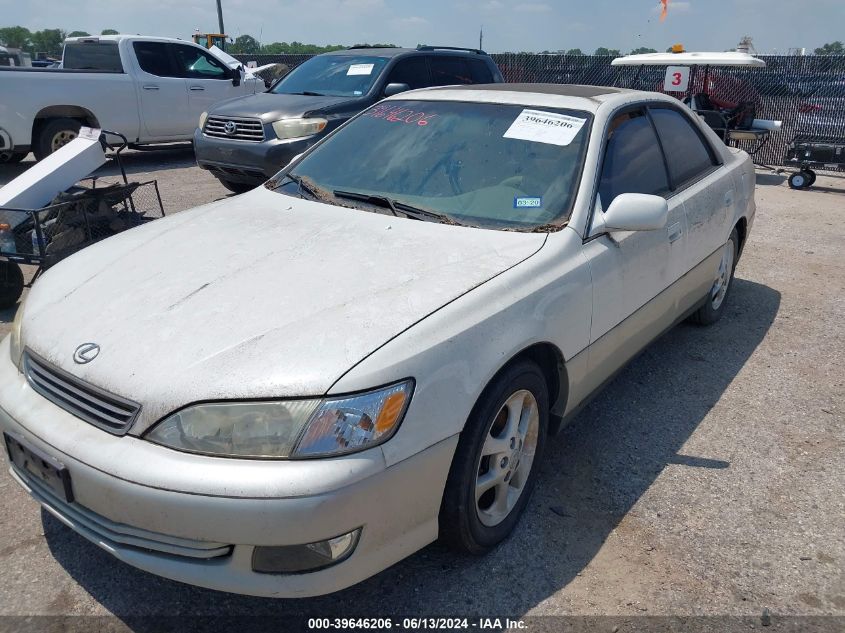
(633,162)
(92,56)
(448,71)
(154,58)
(412,71)
(481,73)
(687,154)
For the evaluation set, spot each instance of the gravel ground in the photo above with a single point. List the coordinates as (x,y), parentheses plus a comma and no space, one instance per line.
(707,479)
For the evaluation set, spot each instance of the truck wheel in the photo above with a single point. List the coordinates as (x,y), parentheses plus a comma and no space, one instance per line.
(11,284)
(236,187)
(10,158)
(55,133)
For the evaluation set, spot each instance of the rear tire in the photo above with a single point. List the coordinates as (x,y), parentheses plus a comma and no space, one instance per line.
(55,133)
(717,297)
(496,462)
(236,187)
(11,284)
(811,177)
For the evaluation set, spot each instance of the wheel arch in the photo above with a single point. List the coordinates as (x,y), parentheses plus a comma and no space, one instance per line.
(81,114)
(742,231)
(550,359)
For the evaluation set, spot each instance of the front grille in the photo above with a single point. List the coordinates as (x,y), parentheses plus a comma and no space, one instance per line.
(94,405)
(98,528)
(245,129)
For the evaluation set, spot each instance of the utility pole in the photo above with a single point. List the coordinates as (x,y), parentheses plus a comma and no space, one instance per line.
(220,17)
(481,38)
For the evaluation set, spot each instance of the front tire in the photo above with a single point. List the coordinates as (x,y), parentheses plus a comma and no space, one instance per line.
(11,284)
(799,180)
(236,187)
(496,462)
(717,297)
(55,134)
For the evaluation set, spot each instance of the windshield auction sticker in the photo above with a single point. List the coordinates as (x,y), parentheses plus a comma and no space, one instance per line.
(360,69)
(545,127)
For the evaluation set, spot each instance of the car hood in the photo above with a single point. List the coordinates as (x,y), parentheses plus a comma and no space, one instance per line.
(259,296)
(272,107)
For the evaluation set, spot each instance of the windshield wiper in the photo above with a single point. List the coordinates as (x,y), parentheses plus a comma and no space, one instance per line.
(305,186)
(308,93)
(409,211)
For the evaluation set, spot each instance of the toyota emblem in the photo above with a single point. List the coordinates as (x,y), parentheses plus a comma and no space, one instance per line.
(85,353)
(230,128)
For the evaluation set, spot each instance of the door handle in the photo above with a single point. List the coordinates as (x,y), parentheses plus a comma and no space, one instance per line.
(675,231)
(196,88)
(150,87)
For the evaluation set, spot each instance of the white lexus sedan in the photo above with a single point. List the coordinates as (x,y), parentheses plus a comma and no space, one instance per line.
(285,392)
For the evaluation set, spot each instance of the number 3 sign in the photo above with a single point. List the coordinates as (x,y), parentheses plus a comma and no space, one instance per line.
(677,79)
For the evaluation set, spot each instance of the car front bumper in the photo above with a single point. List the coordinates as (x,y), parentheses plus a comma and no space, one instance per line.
(246,161)
(208,539)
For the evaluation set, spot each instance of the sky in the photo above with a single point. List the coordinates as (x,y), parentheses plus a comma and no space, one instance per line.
(509,25)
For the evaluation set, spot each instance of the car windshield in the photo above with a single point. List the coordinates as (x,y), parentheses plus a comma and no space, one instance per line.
(478,164)
(332,75)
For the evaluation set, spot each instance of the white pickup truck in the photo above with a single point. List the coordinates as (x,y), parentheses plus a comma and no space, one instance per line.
(150,89)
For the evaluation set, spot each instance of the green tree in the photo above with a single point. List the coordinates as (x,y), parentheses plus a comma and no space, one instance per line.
(109,32)
(613,52)
(574,51)
(78,34)
(831,48)
(643,49)
(48,41)
(245,44)
(15,36)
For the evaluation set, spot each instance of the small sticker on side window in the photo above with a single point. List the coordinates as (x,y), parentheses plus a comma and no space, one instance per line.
(545,127)
(360,69)
(527,202)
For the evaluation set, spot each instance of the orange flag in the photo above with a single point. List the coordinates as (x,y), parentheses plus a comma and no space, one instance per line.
(665,10)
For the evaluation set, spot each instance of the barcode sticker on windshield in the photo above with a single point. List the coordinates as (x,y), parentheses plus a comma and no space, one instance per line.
(360,69)
(545,127)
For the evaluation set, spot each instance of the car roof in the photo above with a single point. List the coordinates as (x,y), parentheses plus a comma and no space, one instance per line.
(389,51)
(125,36)
(574,96)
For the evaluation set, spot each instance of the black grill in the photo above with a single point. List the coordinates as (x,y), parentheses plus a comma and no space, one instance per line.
(244,129)
(94,405)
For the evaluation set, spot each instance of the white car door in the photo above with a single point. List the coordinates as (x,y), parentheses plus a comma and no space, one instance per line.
(163,104)
(632,271)
(207,79)
(705,186)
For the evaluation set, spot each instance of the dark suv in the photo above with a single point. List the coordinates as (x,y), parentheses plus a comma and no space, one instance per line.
(246,140)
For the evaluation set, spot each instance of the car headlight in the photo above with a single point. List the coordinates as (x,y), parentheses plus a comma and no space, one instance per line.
(15,348)
(203,118)
(296,128)
(291,428)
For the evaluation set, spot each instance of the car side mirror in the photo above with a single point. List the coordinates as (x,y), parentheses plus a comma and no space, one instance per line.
(395,89)
(237,73)
(636,212)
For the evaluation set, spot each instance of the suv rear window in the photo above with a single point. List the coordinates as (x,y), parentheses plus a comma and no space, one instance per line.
(448,71)
(92,56)
(481,73)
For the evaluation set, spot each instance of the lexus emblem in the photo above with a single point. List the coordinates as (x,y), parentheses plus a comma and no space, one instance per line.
(85,353)
(230,128)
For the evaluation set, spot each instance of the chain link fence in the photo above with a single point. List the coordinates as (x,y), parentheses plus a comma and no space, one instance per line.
(806,93)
